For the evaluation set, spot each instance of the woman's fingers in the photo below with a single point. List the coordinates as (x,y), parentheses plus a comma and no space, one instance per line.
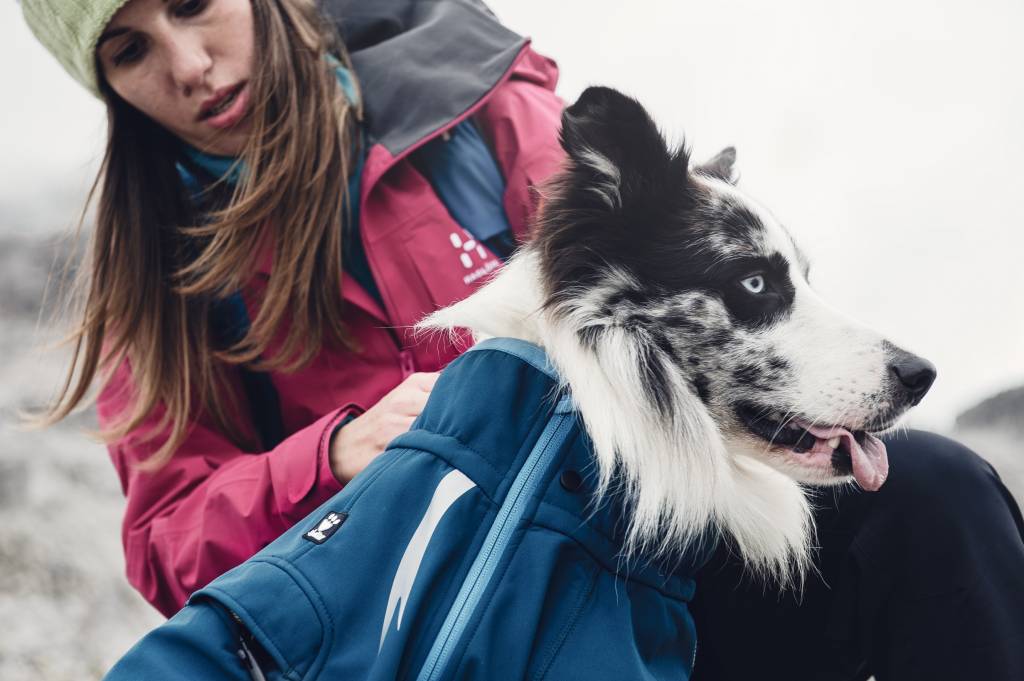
(412,393)
(361,440)
(426,380)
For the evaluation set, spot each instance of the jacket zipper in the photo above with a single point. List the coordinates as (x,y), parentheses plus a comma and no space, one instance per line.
(443,131)
(511,512)
(406,360)
(244,652)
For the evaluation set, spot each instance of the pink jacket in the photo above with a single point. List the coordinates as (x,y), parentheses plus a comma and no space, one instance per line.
(213,505)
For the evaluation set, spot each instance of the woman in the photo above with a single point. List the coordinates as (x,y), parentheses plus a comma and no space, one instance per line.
(174,382)
(270,225)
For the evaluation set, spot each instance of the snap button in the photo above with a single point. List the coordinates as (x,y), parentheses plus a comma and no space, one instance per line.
(571,480)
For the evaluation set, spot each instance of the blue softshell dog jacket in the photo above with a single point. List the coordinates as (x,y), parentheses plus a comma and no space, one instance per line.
(470,549)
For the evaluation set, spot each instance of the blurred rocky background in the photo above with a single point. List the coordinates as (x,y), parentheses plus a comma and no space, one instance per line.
(995,429)
(68,610)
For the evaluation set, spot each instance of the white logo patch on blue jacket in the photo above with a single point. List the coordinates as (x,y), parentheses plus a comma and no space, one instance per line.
(326,527)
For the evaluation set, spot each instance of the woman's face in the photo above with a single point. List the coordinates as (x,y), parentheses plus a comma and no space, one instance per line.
(187,65)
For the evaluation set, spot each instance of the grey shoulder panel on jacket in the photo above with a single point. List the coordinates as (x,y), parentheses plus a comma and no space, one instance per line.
(421,63)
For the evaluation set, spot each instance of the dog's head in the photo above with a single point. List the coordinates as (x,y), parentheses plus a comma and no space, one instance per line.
(714,292)
(709,375)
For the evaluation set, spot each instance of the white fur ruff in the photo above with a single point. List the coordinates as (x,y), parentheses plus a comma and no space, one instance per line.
(682,486)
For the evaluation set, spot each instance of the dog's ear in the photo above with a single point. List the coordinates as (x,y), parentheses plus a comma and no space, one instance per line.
(622,200)
(616,150)
(721,166)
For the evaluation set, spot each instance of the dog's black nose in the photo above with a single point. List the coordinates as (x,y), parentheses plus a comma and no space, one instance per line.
(914,373)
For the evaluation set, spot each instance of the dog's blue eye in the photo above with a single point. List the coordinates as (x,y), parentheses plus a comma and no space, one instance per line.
(754,284)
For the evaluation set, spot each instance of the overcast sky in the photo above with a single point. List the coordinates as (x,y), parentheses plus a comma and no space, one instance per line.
(885,135)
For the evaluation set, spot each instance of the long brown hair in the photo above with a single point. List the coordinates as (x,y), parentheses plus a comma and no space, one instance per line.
(156,269)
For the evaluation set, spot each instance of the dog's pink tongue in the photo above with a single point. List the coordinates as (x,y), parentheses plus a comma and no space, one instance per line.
(870,460)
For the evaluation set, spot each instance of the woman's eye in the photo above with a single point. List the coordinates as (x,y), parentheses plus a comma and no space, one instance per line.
(191,8)
(754,284)
(130,52)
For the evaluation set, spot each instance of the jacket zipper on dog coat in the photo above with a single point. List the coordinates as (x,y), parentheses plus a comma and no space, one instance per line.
(471,549)
(509,516)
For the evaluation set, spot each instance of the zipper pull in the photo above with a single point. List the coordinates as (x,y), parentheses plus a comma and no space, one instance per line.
(244,653)
(249,660)
(408,363)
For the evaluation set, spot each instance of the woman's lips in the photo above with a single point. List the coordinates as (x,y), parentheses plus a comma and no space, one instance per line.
(234,113)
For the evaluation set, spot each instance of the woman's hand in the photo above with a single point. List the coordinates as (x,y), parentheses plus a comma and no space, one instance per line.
(363,438)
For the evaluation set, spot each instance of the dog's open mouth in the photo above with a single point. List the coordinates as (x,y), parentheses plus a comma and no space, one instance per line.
(824,447)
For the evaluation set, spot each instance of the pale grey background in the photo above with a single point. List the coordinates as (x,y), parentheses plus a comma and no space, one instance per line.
(885,134)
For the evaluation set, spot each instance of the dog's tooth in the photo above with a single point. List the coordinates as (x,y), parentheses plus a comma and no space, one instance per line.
(833,442)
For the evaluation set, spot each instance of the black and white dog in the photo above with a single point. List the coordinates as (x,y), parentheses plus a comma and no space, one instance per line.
(709,375)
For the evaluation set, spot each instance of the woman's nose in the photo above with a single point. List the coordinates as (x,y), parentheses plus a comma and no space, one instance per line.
(189,62)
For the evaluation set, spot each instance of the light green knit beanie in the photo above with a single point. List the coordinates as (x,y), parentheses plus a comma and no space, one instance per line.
(70,29)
